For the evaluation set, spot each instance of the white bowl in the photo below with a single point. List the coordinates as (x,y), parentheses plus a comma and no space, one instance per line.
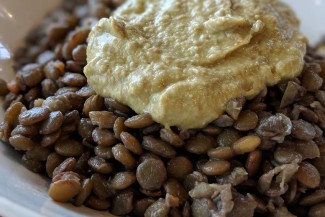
(23,193)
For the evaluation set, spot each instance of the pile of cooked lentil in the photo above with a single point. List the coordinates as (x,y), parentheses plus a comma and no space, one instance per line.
(262,157)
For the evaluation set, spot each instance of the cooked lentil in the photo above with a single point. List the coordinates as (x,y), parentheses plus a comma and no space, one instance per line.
(99,165)
(67,165)
(86,189)
(131,143)
(103,137)
(269,149)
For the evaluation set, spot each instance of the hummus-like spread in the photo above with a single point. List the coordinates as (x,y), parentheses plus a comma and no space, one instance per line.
(183,60)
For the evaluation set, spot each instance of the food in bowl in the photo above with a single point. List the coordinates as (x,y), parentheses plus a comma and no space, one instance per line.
(263,156)
(182,61)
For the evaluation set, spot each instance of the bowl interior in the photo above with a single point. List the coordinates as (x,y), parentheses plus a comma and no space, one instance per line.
(23,193)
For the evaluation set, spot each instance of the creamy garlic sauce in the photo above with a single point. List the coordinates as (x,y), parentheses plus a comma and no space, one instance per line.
(183,60)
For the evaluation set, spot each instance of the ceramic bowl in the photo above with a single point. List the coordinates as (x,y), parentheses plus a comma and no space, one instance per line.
(23,193)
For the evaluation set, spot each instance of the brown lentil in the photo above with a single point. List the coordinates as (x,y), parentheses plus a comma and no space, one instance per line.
(31,75)
(123,180)
(22,143)
(290,94)
(97,203)
(179,167)
(321,149)
(65,90)
(313,198)
(200,163)
(308,175)
(253,162)
(215,167)
(173,187)
(65,186)
(79,54)
(131,143)
(111,103)
(139,121)
(49,87)
(85,128)
(223,153)
(212,130)
(119,127)
(67,165)
(155,194)
(303,130)
(172,138)
(199,144)
(104,152)
(74,79)
(31,130)
(60,103)
(93,103)
(122,155)
(68,147)
(154,128)
(151,174)
(33,165)
(103,137)
(86,188)
(73,66)
(309,115)
(57,31)
(122,203)
(3,88)
(175,212)
(141,206)
(320,95)
(224,121)
(5,132)
(101,187)
(82,166)
(247,120)
(228,137)
(53,161)
(246,144)
(11,98)
(312,81)
(33,116)
(75,38)
(308,150)
(86,91)
(103,119)
(285,155)
(38,153)
(54,69)
(100,165)
(158,147)
(12,113)
(32,94)
(319,163)
(317,210)
(157,209)
(53,123)
(193,178)
(48,140)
